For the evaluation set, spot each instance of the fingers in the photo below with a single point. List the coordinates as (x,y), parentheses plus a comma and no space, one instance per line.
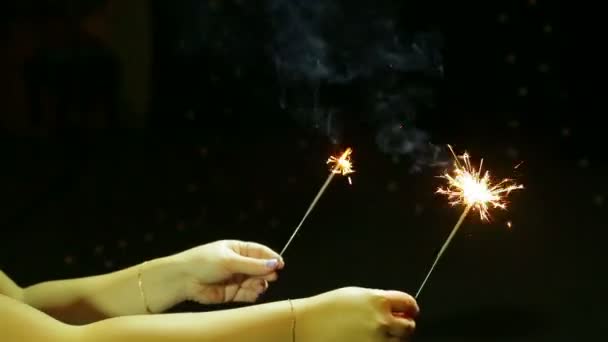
(401,328)
(271,277)
(403,309)
(253,259)
(257,284)
(250,290)
(268,277)
(397,339)
(251,266)
(402,303)
(257,251)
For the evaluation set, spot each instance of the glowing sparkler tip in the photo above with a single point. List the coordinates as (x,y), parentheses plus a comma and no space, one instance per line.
(342,165)
(469,186)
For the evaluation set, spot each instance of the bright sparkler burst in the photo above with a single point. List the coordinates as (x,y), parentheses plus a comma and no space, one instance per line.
(342,165)
(468,186)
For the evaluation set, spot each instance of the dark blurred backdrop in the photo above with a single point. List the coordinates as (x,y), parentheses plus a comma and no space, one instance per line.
(134,129)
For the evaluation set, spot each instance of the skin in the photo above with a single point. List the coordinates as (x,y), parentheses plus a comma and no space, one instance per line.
(218,272)
(110,308)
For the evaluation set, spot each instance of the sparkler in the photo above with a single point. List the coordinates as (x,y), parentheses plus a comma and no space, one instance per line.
(467,186)
(341,165)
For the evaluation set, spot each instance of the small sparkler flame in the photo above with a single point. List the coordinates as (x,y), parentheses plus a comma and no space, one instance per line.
(342,165)
(470,187)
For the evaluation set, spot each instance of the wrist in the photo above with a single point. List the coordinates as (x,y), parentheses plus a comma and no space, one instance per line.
(163,282)
(303,313)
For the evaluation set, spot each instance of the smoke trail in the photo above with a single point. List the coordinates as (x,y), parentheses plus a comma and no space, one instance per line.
(324,40)
(324,43)
(339,64)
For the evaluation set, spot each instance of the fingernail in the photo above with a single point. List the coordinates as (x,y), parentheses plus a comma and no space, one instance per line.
(272,263)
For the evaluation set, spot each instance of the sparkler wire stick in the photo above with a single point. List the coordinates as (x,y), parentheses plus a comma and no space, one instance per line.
(342,166)
(445,246)
(312,205)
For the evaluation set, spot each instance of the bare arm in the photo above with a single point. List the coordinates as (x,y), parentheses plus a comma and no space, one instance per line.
(19,322)
(9,288)
(217,272)
(349,314)
(89,299)
(259,323)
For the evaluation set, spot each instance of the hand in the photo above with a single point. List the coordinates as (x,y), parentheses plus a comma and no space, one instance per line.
(228,271)
(356,315)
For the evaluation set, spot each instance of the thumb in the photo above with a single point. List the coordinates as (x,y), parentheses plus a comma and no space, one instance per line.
(253,266)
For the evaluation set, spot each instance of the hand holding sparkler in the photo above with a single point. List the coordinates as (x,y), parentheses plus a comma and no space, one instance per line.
(469,187)
(342,165)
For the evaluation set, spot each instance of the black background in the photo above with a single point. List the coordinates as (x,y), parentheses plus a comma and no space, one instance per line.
(219,159)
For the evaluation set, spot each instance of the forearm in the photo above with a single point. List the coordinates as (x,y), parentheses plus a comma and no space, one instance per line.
(89,299)
(9,288)
(271,322)
(19,322)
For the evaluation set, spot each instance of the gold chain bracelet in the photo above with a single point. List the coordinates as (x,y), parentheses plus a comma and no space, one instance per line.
(293,321)
(141,287)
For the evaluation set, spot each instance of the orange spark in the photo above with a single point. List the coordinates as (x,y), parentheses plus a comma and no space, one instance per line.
(342,165)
